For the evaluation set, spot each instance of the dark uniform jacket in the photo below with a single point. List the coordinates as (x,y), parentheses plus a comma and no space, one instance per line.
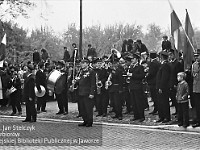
(117,80)
(166,45)
(102,76)
(175,67)
(138,75)
(16,83)
(29,85)
(87,84)
(163,76)
(153,70)
(40,79)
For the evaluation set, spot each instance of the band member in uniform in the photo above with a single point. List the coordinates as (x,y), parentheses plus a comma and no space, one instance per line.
(62,98)
(196,88)
(114,83)
(162,85)
(137,74)
(40,80)
(101,77)
(86,91)
(154,66)
(15,83)
(29,96)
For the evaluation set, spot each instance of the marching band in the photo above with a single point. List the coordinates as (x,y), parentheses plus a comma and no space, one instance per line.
(115,81)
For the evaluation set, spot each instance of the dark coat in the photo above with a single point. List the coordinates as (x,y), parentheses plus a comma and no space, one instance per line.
(91,52)
(117,81)
(40,79)
(166,45)
(36,57)
(66,56)
(175,68)
(142,49)
(153,70)
(138,75)
(163,76)
(29,85)
(87,84)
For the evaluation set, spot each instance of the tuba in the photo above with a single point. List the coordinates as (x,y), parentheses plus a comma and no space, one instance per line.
(98,84)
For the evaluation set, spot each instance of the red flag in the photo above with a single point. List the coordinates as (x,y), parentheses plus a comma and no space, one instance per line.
(175,24)
(3,48)
(188,49)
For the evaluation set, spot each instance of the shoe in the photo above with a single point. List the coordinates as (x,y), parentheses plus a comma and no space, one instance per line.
(44,111)
(180,124)
(153,112)
(12,114)
(114,117)
(19,113)
(196,125)
(160,120)
(166,120)
(38,112)
(120,118)
(127,112)
(33,121)
(133,119)
(98,115)
(58,113)
(66,113)
(82,124)
(141,120)
(104,115)
(89,125)
(26,120)
(185,125)
(78,116)
(146,109)
(174,114)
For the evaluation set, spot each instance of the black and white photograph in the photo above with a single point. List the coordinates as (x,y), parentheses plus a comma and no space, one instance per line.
(99,74)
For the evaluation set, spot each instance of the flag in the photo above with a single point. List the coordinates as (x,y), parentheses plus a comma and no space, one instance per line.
(188,49)
(3,48)
(175,25)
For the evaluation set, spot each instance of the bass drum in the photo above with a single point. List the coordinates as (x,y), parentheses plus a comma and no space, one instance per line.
(56,81)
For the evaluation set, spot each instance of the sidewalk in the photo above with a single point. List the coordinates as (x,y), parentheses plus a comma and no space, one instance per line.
(150,120)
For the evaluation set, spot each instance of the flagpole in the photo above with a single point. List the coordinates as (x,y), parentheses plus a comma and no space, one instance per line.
(183,28)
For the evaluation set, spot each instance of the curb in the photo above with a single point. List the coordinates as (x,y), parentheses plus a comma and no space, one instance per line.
(160,128)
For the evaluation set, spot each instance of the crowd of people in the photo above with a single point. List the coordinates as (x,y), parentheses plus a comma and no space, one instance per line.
(121,79)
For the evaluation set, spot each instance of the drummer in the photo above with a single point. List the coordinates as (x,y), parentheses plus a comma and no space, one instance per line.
(40,80)
(62,98)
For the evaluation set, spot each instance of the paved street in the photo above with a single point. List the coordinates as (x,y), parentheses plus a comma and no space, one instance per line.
(67,135)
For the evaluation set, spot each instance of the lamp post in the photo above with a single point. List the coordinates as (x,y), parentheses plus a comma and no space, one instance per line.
(80,38)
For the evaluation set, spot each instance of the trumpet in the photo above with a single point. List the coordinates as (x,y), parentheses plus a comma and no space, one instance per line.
(108,82)
(98,84)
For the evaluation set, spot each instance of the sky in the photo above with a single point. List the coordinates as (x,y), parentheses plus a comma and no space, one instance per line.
(59,14)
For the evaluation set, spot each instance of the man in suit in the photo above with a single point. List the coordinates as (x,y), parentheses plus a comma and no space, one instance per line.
(162,85)
(36,56)
(166,44)
(154,66)
(141,47)
(66,56)
(91,51)
(29,96)
(137,74)
(86,91)
(40,80)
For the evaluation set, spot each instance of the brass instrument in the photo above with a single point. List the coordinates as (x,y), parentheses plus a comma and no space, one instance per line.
(98,84)
(74,86)
(108,82)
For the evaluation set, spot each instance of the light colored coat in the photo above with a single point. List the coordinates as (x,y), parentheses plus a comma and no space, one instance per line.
(196,76)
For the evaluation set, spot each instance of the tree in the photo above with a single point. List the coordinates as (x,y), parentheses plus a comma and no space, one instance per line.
(14,8)
(153,37)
